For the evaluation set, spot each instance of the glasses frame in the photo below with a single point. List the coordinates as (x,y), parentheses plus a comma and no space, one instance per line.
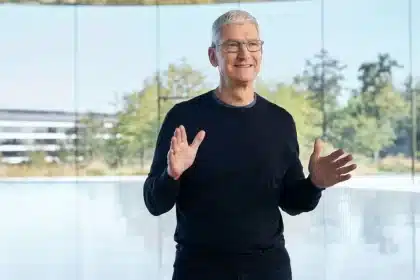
(246,43)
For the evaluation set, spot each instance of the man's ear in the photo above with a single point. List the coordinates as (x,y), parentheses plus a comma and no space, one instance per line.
(212,56)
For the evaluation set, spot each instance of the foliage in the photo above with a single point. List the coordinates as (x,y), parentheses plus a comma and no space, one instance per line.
(373,122)
(322,79)
(367,124)
(133,134)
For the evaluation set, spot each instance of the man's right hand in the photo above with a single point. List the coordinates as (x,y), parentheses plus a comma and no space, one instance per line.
(181,154)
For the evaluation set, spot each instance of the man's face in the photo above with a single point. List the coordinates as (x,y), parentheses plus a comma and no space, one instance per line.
(240,53)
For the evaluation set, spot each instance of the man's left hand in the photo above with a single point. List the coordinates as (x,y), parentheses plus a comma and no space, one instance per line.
(329,170)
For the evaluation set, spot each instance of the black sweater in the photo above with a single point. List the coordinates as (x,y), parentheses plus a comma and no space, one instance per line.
(246,168)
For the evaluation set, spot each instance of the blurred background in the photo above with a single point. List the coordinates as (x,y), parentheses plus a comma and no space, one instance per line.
(84,89)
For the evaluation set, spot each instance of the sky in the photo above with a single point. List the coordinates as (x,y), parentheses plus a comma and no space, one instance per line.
(84,58)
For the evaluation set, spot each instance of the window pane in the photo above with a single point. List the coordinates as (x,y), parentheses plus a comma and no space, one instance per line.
(369,220)
(116,55)
(39,221)
(37,78)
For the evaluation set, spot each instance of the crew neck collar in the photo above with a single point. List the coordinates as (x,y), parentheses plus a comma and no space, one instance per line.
(224,104)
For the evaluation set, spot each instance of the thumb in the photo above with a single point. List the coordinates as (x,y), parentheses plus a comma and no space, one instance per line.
(198,139)
(317,148)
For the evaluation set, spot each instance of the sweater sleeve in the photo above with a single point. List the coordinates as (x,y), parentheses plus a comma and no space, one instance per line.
(160,190)
(298,194)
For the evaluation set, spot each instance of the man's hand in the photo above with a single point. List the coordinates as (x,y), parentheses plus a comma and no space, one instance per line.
(329,170)
(181,155)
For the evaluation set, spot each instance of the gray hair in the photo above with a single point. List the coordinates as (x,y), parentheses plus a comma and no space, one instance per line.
(234,16)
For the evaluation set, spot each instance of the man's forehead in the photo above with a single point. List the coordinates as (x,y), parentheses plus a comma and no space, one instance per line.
(240,29)
(240,37)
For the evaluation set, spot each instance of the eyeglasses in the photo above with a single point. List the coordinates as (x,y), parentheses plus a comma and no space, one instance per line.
(231,46)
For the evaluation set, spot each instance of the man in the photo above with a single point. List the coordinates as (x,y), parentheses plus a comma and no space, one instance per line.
(228,159)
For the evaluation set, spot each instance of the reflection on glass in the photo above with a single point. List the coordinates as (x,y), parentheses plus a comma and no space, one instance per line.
(371,119)
(39,230)
(116,63)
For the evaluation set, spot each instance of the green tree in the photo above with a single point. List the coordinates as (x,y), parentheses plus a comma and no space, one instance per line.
(37,158)
(375,75)
(115,147)
(416,90)
(368,123)
(89,142)
(179,82)
(322,78)
(412,87)
(139,120)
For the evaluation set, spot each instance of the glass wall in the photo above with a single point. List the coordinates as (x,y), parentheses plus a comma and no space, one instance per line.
(415,68)
(86,89)
(374,227)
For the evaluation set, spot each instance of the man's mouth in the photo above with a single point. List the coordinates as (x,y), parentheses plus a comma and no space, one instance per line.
(243,65)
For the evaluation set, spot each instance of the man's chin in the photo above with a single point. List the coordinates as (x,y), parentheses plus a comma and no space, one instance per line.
(243,79)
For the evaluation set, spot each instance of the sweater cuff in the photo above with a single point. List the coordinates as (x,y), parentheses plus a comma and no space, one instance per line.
(170,185)
(313,186)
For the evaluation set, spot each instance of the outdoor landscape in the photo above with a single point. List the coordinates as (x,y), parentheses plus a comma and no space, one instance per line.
(374,123)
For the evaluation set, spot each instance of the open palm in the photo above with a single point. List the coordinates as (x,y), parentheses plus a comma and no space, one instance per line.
(331,169)
(181,154)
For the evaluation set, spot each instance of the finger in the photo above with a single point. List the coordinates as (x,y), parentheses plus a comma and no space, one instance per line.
(346,169)
(178,135)
(174,145)
(198,139)
(171,153)
(171,156)
(170,163)
(183,134)
(335,155)
(317,148)
(343,161)
(344,177)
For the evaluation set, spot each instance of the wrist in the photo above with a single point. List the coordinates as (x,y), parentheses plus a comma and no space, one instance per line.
(316,185)
(170,174)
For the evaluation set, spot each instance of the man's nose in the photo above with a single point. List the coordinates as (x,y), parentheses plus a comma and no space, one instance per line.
(243,50)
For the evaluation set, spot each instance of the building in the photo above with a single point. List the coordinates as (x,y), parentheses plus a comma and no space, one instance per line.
(23,132)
